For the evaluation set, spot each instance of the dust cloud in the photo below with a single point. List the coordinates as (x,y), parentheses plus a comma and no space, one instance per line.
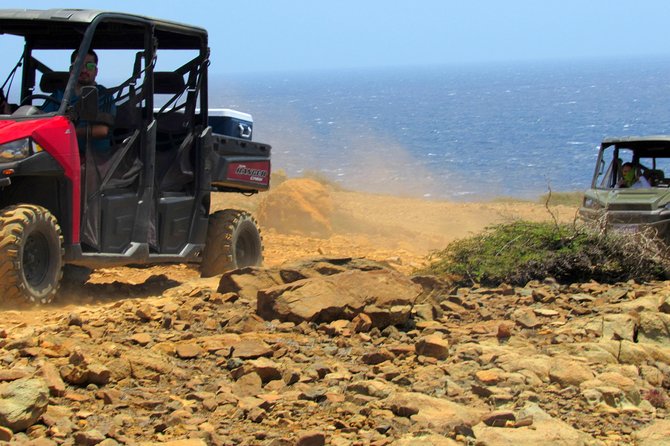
(301,217)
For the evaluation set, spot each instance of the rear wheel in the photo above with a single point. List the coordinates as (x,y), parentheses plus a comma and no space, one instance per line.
(31,254)
(233,241)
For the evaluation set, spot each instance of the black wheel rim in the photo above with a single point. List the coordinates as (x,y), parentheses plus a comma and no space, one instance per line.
(36,259)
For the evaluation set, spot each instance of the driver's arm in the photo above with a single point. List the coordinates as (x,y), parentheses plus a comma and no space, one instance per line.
(98,131)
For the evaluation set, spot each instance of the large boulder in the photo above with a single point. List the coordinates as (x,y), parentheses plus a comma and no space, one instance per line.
(430,412)
(385,296)
(298,206)
(654,434)
(22,403)
(247,281)
(544,430)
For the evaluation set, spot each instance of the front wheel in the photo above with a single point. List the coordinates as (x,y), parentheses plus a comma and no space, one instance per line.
(31,254)
(233,241)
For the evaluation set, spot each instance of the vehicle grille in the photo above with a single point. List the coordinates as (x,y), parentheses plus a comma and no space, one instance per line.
(629,207)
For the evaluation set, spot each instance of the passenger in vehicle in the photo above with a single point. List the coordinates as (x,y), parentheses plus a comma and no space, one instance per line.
(100,131)
(631,178)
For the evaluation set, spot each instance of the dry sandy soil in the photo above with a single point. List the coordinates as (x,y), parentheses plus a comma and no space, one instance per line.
(401,230)
(593,356)
(382,227)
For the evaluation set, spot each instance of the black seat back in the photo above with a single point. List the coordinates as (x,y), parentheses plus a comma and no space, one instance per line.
(54,81)
(168,82)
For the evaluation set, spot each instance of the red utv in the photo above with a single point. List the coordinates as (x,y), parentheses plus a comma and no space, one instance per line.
(147,199)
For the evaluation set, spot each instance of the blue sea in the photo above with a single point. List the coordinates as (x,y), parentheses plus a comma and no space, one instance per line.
(461,133)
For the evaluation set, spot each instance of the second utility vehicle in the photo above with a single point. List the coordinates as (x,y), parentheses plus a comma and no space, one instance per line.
(643,202)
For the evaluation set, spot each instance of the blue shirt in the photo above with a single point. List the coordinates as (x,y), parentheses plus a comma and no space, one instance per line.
(105,105)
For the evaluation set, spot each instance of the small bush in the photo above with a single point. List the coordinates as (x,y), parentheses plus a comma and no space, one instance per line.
(657,398)
(518,252)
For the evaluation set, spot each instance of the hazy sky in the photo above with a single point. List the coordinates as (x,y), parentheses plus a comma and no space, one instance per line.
(281,35)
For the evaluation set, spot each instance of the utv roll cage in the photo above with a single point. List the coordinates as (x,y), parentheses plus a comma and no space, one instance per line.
(83,29)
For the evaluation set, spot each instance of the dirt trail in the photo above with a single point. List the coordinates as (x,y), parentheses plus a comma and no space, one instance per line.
(397,229)
(146,355)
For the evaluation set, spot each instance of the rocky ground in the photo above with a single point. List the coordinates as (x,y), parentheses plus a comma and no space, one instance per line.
(335,341)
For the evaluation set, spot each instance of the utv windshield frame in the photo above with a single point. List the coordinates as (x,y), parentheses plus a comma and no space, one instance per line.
(80,30)
(651,153)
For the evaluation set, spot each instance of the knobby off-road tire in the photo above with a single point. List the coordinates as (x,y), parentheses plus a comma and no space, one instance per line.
(31,254)
(233,241)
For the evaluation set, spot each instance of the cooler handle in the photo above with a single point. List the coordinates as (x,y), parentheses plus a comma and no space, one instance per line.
(245,130)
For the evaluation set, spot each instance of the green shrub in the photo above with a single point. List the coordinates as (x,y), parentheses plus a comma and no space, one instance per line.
(518,252)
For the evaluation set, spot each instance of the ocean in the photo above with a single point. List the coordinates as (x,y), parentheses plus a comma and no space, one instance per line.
(462,133)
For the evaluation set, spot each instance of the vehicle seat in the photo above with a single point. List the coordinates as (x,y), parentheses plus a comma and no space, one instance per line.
(168,82)
(54,81)
(172,123)
(174,138)
(655,176)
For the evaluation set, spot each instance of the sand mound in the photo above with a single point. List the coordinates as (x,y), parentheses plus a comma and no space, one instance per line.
(298,206)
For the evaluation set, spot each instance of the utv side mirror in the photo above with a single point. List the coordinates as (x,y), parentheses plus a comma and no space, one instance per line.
(87,105)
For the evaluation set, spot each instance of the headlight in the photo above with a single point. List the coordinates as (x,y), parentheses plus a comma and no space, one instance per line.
(590,203)
(19,149)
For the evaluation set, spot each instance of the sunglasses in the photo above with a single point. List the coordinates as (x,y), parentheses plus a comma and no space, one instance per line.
(90,66)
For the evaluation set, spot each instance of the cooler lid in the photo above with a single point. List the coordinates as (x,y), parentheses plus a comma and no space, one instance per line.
(230,113)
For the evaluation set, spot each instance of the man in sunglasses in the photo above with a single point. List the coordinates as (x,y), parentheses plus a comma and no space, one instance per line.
(99,131)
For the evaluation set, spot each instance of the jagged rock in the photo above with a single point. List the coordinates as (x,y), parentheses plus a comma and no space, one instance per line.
(619,381)
(434,346)
(375,388)
(425,440)
(608,326)
(22,403)
(250,348)
(265,381)
(98,374)
(655,434)
(377,356)
(664,306)
(489,377)
(6,434)
(148,366)
(248,385)
(188,350)
(526,318)
(146,313)
(569,373)
(186,442)
(89,437)
(501,418)
(361,323)
(436,413)
(14,374)
(265,368)
(311,439)
(539,365)
(247,281)
(655,327)
(142,339)
(544,430)
(384,295)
